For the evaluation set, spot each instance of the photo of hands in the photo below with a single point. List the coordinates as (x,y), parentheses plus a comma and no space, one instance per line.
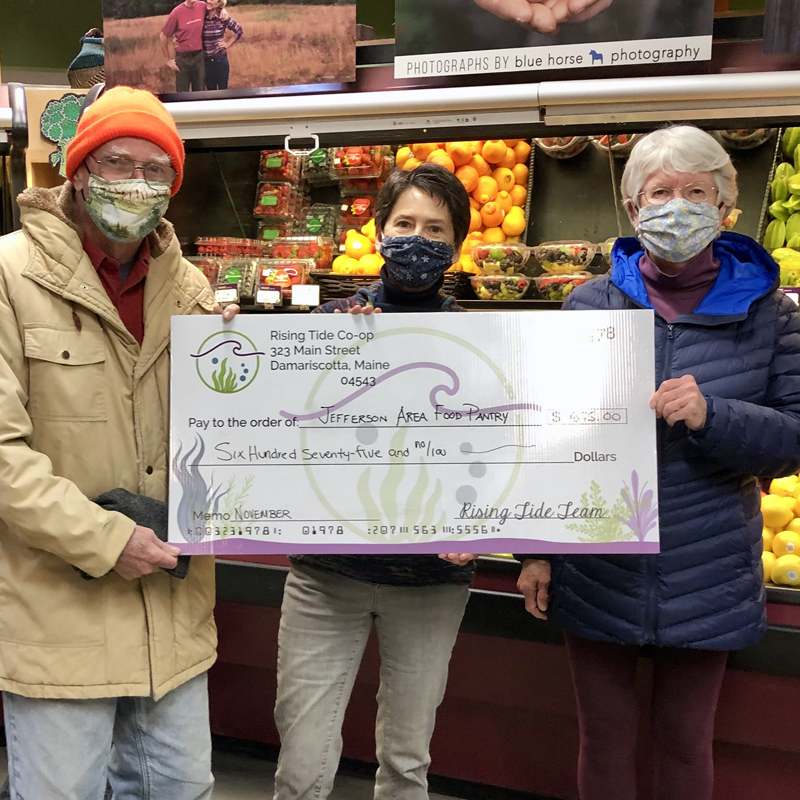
(509,35)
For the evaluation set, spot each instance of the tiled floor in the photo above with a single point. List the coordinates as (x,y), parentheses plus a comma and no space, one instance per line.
(243,778)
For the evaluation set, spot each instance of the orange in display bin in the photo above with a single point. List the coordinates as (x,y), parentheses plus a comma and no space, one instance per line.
(358,162)
(318,248)
(279,165)
(358,211)
(284,272)
(277,200)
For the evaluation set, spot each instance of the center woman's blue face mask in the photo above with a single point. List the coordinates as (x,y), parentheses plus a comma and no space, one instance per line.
(415,261)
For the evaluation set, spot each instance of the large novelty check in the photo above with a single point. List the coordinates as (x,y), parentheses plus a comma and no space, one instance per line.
(414,433)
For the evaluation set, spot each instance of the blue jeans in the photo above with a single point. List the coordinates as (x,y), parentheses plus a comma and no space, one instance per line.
(218,70)
(146,750)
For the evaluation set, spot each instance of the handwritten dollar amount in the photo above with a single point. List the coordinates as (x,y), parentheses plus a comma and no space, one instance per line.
(589,416)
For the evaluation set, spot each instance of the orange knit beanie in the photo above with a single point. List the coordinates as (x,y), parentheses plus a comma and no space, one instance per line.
(123,111)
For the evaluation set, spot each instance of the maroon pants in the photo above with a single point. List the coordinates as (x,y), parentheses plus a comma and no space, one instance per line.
(686,685)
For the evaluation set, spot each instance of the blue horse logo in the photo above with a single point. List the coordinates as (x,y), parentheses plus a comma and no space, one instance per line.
(228,362)
(596,57)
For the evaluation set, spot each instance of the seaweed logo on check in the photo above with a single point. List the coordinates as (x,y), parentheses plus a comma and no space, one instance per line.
(227,362)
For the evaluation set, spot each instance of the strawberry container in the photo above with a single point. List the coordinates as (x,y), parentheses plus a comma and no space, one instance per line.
(358,162)
(277,201)
(318,249)
(279,165)
(357,210)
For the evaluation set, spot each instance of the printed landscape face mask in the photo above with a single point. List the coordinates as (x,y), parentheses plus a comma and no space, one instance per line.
(126,211)
(415,261)
(678,231)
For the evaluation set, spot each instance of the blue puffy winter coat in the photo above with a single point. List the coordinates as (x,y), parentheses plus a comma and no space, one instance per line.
(742,346)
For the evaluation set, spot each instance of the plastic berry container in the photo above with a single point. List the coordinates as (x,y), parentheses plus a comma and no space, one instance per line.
(559,287)
(500,287)
(564,258)
(235,280)
(318,220)
(358,162)
(279,165)
(318,249)
(563,146)
(283,271)
(351,186)
(620,145)
(317,166)
(209,266)
(357,211)
(496,259)
(270,230)
(743,139)
(279,200)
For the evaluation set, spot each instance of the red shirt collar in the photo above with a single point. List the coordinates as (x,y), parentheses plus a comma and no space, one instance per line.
(108,267)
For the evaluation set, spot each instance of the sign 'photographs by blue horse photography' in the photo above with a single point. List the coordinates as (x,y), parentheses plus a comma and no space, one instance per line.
(485,37)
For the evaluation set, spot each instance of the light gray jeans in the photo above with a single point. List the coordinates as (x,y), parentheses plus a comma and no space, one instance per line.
(146,750)
(325,622)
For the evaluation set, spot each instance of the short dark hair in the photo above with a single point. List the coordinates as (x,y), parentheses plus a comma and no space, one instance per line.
(433,180)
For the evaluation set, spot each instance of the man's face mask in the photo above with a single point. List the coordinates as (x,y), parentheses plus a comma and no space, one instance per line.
(127,210)
(414,261)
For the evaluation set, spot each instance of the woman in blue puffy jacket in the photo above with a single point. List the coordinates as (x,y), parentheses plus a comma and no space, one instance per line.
(728,409)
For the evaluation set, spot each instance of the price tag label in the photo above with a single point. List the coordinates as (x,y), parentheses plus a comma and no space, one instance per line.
(226,295)
(268,296)
(305,295)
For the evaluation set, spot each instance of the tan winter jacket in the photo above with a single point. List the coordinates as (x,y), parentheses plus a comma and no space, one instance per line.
(84,409)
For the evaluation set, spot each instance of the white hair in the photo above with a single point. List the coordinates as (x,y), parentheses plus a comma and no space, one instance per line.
(679,148)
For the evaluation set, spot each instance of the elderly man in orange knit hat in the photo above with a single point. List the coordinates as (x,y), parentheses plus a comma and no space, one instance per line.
(105,634)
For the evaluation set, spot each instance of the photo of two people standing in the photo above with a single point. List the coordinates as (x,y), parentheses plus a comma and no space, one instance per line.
(197,31)
(180,46)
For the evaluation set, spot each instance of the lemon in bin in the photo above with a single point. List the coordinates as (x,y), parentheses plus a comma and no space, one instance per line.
(786,571)
(785,543)
(776,511)
(768,562)
(766,537)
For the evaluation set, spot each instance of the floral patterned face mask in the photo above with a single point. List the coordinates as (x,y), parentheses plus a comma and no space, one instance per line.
(126,211)
(679,230)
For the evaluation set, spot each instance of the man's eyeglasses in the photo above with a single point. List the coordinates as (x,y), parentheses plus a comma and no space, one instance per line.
(693,192)
(120,168)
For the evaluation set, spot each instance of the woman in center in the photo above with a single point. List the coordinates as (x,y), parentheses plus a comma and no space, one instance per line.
(415,603)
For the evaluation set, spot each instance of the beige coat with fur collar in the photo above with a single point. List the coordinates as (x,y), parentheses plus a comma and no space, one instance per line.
(85,410)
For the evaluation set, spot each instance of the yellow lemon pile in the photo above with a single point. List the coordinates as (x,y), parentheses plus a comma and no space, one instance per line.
(781,535)
(359,256)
